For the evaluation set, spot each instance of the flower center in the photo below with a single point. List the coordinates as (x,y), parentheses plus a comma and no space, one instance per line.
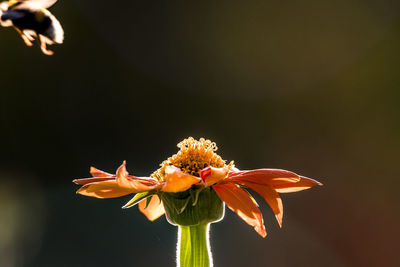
(193,156)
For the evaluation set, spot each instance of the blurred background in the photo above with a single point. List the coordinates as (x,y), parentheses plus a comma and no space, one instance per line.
(308,86)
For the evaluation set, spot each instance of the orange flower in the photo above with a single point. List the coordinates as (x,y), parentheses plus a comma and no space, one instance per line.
(197,166)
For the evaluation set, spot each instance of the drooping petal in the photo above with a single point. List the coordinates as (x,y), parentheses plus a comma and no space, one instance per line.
(178,181)
(92,180)
(98,173)
(239,201)
(270,196)
(211,175)
(135,184)
(264,176)
(98,176)
(154,210)
(104,189)
(303,184)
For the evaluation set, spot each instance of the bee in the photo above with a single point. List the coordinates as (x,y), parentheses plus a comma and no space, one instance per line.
(32,20)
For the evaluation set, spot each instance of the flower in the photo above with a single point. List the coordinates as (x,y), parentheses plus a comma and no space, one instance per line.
(197,166)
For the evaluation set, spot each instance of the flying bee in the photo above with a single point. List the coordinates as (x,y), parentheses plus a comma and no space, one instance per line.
(32,19)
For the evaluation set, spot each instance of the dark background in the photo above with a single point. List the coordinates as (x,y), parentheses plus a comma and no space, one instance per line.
(309,86)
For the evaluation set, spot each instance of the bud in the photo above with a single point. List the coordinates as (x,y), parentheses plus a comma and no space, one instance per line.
(192,207)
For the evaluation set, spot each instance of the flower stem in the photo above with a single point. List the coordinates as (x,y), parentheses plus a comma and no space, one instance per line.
(193,246)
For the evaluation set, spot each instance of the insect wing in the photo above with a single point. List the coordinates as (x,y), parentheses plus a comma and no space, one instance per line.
(33,4)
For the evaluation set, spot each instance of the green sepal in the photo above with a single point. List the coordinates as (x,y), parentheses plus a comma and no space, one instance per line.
(184,206)
(137,198)
(148,202)
(195,196)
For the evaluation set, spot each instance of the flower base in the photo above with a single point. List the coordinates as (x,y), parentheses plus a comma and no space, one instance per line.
(193,207)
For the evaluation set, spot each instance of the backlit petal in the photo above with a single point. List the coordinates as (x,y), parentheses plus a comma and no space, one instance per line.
(135,184)
(98,176)
(270,196)
(92,180)
(211,175)
(98,173)
(240,202)
(303,184)
(104,189)
(154,210)
(264,176)
(178,181)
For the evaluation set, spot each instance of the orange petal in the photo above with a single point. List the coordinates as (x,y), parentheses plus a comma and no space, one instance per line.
(264,176)
(92,180)
(98,173)
(211,175)
(270,196)
(104,189)
(135,184)
(154,210)
(178,181)
(98,176)
(240,202)
(303,184)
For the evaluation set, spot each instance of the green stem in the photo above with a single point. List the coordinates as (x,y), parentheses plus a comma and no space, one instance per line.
(193,246)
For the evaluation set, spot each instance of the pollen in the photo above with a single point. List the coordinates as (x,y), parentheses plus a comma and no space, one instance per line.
(193,156)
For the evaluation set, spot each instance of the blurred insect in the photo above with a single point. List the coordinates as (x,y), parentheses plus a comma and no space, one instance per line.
(31,19)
